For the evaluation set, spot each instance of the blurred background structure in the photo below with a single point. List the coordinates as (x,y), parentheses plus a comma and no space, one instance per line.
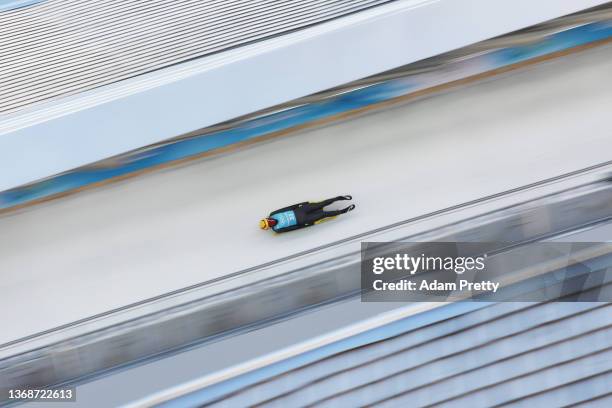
(140,143)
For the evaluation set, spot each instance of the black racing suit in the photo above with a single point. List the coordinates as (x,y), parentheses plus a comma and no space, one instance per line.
(307,213)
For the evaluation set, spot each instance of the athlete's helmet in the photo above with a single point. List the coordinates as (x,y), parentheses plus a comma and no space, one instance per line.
(267,223)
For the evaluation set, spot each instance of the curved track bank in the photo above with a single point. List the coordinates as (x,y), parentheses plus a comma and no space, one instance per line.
(72,258)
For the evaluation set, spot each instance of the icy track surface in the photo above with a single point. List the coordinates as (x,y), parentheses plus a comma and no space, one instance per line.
(106,248)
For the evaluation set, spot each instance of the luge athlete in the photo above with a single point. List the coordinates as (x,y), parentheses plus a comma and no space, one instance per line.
(303,215)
